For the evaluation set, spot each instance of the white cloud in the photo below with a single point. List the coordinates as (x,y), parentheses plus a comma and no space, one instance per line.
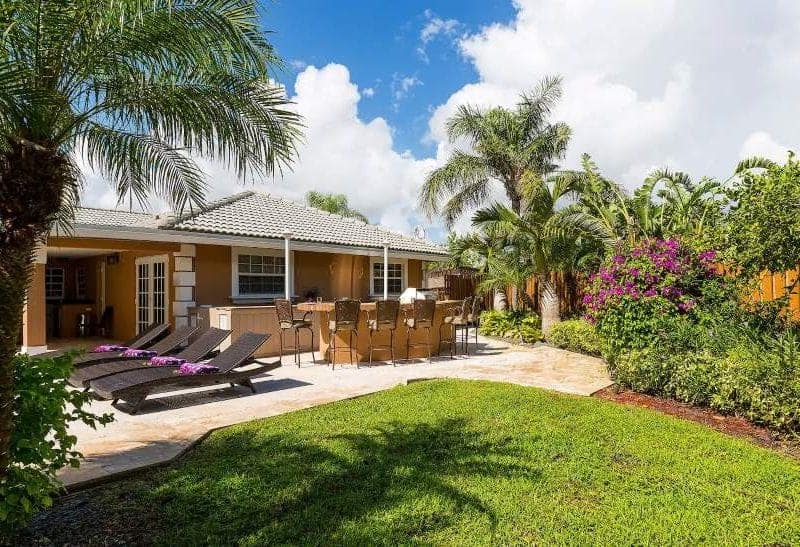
(368,92)
(434,26)
(761,143)
(402,87)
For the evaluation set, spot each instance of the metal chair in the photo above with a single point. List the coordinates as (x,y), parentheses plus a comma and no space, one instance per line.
(455,319)
(474,318)
(386,312)
(421,318)
(287,322)
(345,319)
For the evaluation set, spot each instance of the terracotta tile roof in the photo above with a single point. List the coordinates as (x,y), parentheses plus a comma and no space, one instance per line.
(257,214)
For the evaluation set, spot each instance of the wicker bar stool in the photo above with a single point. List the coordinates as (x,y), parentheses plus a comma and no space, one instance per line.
(474,319)
(345,319)
(421,318)
(455,319)
(386,312)
(287,322)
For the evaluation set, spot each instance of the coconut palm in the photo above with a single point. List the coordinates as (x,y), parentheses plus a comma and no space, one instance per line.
(545,238)
(334,203)
(135,88)
(504,145)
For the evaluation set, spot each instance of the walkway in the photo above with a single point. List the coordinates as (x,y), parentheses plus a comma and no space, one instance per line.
(172,422)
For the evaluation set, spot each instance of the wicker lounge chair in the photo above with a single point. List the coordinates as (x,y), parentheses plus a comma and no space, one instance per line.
(140,341)
(134,386)
(204,344)
(169,343)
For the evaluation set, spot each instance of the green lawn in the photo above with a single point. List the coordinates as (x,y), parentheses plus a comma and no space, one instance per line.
(457,462)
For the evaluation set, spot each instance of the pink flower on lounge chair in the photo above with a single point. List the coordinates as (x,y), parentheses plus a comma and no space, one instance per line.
(197,368)
(139,353)
(166,361)
(105,348)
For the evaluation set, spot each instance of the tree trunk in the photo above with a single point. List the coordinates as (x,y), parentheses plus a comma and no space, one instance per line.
(499,302)
(549,305)
(15,269)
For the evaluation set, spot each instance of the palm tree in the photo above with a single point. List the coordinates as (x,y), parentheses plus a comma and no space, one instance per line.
(545,238)
(133,87)
(334,203)
(505,145)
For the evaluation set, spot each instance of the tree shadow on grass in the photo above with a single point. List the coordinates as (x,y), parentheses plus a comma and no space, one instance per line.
(397,483)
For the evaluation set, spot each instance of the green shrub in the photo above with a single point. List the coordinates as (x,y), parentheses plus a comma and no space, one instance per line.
(644,370)
(695,378)
(40,442)
(575,335)
(515,325)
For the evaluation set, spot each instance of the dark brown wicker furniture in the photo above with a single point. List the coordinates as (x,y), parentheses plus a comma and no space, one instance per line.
(169,343)
(287,322)
(386,312)
(455,320)
(198,349)
(345,319)
(474,319)
(134,386)
(140,341)
(421,318)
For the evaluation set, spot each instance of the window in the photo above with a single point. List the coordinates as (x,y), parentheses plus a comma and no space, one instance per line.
(81,283)
(396,282)
(54,282)
(259,274)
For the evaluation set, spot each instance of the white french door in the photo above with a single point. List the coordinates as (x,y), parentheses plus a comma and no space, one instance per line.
(152,291)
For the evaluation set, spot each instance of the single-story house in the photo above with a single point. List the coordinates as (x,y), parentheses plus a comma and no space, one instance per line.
(125,270)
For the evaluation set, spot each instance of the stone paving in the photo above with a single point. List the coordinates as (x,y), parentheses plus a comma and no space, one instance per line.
(170,423)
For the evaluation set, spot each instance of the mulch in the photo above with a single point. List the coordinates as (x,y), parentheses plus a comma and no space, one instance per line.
(730,425)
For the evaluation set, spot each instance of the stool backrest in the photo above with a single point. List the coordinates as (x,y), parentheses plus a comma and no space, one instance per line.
(346,312)
(386,311)
(423,311)
(466,307)
(477,305)
(283,308)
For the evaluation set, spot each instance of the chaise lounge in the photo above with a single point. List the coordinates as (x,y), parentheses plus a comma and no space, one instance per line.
(169,343)
(199,349)
(134,386)
(140,341)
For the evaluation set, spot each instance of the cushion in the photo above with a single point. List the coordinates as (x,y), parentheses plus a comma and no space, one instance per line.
(166,361)
(139,353)
(105,348)
(197,368)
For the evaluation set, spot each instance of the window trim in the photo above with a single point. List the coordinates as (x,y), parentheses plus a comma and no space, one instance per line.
(236,251)
(404,277)
(63,282)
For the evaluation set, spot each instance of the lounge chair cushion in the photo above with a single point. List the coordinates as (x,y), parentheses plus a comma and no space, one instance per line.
(166,361)
(106,348)
(197,368)
(139,353)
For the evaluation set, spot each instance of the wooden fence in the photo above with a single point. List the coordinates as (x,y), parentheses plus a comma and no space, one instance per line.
(775,286)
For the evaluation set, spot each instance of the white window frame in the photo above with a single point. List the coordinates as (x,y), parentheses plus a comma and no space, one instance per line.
(236,251)
(150,260)
(379,260)
(47,283)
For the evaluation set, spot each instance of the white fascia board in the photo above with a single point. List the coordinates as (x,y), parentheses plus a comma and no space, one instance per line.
(207,238)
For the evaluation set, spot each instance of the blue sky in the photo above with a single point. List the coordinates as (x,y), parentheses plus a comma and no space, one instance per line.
(693,86)
(379,41)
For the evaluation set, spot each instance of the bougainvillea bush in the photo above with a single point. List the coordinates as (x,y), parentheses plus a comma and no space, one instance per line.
(653,291)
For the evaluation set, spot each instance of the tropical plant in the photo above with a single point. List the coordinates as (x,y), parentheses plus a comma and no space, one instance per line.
(334,203)
(505,145)
(575,335)
(516,325)
(136,88)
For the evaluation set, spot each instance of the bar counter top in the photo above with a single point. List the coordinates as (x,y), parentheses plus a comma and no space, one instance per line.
(327,307)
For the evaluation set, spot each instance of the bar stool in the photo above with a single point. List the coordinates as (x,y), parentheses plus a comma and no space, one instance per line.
(455,319)
(474,319)
(287,322)
(386,312)
(421,318)
(345,319)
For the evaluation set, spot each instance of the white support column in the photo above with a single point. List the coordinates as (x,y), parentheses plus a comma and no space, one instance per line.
(287,278)
(386,270)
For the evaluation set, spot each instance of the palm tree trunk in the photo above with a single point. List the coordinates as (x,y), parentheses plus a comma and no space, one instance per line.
(500,302)
(549,305)
(16,259)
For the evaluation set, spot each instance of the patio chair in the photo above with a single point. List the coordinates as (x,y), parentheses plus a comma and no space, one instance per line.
(455,320)
(420,318)
(140,341)
(136,385)
(169,343)
(474,319)
(345,319)
(200,347)
(386,312)
(287,322)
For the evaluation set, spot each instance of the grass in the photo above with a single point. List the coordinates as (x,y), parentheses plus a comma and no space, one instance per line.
(455,462)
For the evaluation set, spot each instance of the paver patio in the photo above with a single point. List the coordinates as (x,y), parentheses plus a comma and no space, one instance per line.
(168,424)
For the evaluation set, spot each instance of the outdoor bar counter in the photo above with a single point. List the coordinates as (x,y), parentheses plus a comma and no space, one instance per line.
(323,312)
(263,319)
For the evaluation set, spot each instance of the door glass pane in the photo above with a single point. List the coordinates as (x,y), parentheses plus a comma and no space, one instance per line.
(159,292)
(143,297)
